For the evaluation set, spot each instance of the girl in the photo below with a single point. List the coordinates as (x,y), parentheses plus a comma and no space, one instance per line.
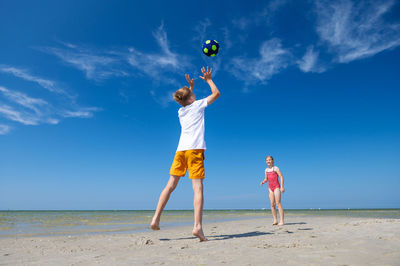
(271,176)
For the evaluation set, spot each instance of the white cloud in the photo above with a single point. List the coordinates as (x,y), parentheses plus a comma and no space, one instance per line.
(273,59)
(100,65)
(309,62)
(24,100)
(227,40)
(201,30)
(17,116)
(85,112)
(24,74)
(96,66)
(19,107)
(242,23)
(26,110)
(161,67)
(264,15)
(155,65)
(356,30)
(4,129)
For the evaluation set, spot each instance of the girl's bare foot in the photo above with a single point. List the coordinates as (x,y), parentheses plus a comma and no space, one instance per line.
(281,223)
(275,223)
(199,233)
(155,225)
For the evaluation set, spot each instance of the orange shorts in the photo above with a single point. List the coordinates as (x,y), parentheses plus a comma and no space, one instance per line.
(190,159)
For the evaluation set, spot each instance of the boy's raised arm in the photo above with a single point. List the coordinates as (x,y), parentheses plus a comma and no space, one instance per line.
(190,81)
(215,92)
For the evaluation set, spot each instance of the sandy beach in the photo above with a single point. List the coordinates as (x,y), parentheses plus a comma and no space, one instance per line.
(302,241)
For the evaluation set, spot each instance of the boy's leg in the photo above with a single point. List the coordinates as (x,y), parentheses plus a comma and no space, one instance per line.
(277,194)
(164,197)
(198,201)
(273,210)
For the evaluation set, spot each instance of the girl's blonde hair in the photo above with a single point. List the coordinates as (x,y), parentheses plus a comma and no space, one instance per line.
(182,95)
(269,156)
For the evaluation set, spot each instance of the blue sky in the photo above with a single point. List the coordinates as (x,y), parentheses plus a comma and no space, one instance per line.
(87,120)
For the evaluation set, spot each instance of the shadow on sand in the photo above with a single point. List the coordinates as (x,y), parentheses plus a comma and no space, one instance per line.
(249,234)
(295,223)
(223,237)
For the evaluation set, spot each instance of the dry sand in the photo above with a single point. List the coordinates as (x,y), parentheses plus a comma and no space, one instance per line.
(302,241)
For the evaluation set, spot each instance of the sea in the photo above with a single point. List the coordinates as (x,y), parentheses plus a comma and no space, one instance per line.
(73,222)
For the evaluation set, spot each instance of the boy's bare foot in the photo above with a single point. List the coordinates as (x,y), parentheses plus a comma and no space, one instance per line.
(199,233)
(155,225)
(275,223)
(281,223)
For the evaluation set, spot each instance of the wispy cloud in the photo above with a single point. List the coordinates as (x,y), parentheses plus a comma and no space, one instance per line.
(156,65)
(227,38)
(21,108)
(24,74)
(355,30)
(96,65)
(4,129)
(24,100)
(262,16)
(81,112)
(100,65)
(18,116)
(201,30)
(25,109)
(273,58)
(350,31)
(309,62)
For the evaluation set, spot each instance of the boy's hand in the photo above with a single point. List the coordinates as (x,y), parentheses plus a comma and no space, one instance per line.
(206,74)
(190,81)
(262,183)
(282,189)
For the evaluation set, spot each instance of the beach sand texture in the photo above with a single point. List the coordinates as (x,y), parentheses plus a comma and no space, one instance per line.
(302,241)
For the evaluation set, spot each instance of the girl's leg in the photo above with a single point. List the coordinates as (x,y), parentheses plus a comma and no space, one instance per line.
(273,210)
(164,197)
(277,194)
(198,201)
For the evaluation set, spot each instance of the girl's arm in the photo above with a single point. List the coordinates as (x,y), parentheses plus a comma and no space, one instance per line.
(281,177)
(265,180)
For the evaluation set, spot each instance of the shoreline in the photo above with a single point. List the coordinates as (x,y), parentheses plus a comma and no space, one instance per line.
(64,223)
(303,240)
(188,210)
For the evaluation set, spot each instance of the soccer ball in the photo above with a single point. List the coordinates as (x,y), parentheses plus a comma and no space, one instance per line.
(210,48)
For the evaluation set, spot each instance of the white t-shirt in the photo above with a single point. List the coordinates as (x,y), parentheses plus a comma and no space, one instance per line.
(191,118)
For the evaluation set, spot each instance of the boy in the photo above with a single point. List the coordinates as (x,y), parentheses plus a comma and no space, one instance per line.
(190,151)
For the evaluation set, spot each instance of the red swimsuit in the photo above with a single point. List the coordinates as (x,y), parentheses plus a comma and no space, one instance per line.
(273,182)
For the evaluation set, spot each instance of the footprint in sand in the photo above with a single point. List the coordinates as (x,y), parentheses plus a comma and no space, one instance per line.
(144,241)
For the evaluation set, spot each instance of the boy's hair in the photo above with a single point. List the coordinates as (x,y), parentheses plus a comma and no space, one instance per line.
(269,156)
(182,95)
